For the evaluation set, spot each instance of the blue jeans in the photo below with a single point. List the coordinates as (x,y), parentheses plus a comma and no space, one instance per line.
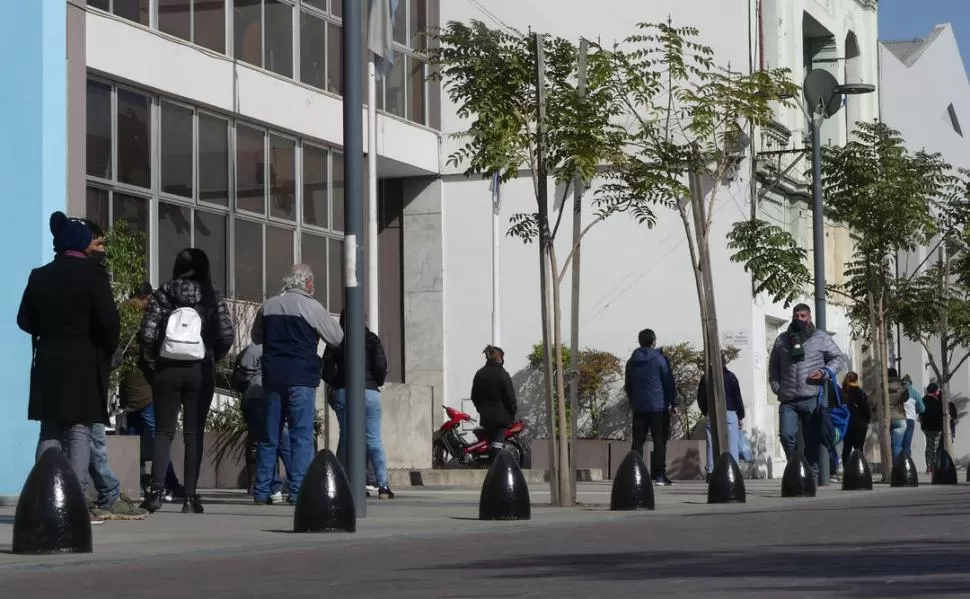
(295,407)
(104,479)
(908,436)
(142,424)
(258,419)
(734,439)
(897,432)
(372,431)
(805,413)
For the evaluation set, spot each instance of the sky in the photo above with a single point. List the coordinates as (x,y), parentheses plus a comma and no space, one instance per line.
(908,19)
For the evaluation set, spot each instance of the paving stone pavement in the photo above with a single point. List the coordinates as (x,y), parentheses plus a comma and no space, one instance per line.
(882,544)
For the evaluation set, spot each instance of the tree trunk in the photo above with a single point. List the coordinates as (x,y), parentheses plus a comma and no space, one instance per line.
(566,498)
(882,385)
(547,373)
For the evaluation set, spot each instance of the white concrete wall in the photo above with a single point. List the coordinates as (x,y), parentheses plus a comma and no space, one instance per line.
(914,101)
(125,51)
(633,277)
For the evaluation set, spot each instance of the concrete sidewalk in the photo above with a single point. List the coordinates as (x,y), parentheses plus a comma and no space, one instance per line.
(232,525)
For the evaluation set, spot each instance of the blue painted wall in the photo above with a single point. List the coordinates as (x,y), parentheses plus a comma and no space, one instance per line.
(33,167)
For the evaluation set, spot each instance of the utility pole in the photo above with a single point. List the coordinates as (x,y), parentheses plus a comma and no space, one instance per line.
(578,188)
(353,45)
(944,349)
(717,404)
(542,184)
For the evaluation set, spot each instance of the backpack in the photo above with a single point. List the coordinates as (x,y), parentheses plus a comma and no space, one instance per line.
(835,419)
(183,336)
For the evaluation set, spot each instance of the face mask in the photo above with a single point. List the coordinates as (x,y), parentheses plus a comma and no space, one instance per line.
(98,258)
(798,325)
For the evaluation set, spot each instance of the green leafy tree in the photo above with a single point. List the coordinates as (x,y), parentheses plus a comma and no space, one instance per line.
(687,366)
(689,113)
(125,259)
(885,196)
(490,75)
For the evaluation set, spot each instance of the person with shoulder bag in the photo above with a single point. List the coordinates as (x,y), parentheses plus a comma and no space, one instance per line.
(186,330)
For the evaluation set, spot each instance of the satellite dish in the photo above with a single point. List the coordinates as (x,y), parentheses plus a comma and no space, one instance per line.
(822,89)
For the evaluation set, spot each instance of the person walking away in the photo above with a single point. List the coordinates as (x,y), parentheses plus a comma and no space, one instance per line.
(796,372)
(248,380)
(735,415)
(334,373)
(898,395)
(931,421)
(860,415)
(493,396)
(68,310)
(186,330)
(110,503)
(290,327)
(135,394)
(913,407)
(649,386)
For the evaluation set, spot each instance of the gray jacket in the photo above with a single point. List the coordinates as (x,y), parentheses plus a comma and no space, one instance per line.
(788,378)
(249,367)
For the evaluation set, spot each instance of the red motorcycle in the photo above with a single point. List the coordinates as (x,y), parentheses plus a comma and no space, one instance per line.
(450,448)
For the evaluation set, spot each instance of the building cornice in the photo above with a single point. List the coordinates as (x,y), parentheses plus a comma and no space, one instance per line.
(868,4)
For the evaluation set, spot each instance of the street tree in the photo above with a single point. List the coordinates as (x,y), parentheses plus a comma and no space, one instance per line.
(514,124)
(933,302)
(884,195)
(688,115)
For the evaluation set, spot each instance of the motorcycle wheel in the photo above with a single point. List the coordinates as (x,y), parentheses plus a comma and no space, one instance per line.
(515,448)
(439,457)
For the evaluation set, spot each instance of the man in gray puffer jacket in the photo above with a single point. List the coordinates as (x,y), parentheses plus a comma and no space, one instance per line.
(796,373)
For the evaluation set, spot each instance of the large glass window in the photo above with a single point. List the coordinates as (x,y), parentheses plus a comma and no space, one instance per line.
(416,87)
(337,192)
(278,37)
(335,53)
(133,10)
(250,164)
(174,235)
(133,209)
(313,50)
(247,23)
(313,253)
(279,257)
(248,244)
(212,238)
(336,279)
(210,24)
(213,160)
(315,210)
(98,129)
(175,18)
(96,207)
(282,168)
(177,144)
(134,138)
(394,85)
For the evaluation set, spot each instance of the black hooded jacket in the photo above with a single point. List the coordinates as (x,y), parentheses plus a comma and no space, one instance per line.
(494,395)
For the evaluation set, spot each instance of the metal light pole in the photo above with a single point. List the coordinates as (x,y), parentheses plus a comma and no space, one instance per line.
(353,50)
(824,97)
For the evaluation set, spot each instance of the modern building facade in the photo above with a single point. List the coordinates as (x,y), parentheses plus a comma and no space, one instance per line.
(217,123)
(926,98)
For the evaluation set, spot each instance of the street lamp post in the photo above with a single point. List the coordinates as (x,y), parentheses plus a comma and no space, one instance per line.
(824,97)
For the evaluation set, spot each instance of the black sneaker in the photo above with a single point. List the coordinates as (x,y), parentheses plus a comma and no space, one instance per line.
(385,493)
(663,481)
(176,493)
(707,478)
(193,505)
(153,500)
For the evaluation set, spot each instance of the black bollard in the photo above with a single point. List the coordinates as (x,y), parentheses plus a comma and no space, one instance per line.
(945,472)
(726,484)
(798,479)
(325,503)
(52,514)
(505,495)
(632,487)
(856,475)
(904,472)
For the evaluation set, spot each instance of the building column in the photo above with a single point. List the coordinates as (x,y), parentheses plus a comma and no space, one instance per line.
(33,165)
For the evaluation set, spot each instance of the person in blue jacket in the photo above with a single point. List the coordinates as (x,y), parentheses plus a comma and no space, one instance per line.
(649,385)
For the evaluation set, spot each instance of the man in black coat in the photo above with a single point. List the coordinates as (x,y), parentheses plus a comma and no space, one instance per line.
(494,398)
(70,314)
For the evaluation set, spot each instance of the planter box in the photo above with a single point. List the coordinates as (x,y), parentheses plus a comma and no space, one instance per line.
(685,458)
(124,456)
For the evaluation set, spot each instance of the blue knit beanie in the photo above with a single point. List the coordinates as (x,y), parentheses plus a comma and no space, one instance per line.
(69,233)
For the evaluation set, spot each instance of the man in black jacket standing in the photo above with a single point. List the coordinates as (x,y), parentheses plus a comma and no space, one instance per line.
(494,398)
(735,414)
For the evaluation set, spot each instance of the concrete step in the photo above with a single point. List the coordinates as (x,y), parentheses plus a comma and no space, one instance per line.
(473,477)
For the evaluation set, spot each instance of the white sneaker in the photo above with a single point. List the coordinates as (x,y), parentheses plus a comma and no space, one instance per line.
(371,488)
(276,498)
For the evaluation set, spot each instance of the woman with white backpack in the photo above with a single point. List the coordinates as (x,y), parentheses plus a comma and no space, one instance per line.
(186,330)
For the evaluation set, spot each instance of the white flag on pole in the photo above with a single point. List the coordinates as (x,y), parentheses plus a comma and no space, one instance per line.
(496,189)
(380,32)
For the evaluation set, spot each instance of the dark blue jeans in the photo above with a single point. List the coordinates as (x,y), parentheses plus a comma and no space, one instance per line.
(802,413)
(908,436)
(142,423)
(258,420)
(296,408)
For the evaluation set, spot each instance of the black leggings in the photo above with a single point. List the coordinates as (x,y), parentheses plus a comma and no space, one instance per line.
(188,387)
(855,438)
(658,425)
